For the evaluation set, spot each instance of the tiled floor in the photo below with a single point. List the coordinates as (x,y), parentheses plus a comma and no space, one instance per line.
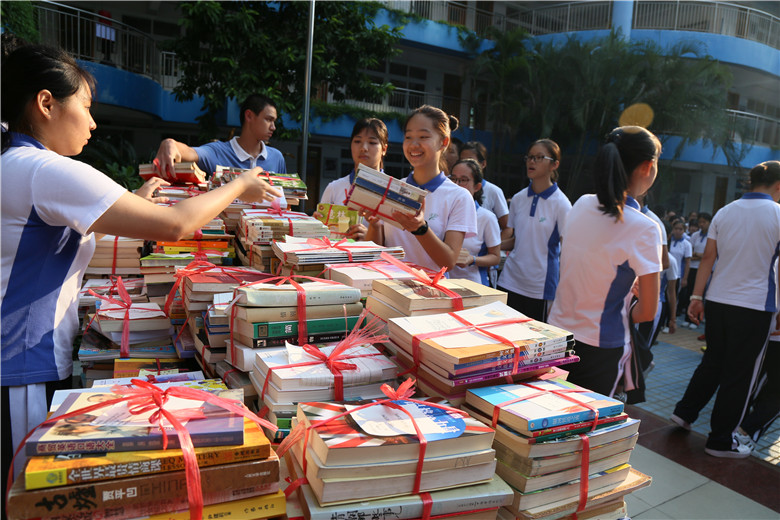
(687,483)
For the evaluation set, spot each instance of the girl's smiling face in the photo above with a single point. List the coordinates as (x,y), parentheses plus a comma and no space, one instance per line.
(423,145)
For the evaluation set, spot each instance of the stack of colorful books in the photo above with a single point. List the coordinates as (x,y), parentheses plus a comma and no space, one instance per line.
(311,251)
(118,469)
(290,184)
(119,256)
(379,194)
(452,352)
(183,173)
(548,434)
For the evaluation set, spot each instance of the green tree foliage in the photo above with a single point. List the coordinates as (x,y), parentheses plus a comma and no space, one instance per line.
(232,49)
(19,18)
(574,92)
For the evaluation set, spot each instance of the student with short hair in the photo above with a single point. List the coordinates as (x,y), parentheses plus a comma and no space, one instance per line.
(609,246)
(741,297)
(493,196)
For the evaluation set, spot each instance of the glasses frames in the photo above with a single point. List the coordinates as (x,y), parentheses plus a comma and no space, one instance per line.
(537,158)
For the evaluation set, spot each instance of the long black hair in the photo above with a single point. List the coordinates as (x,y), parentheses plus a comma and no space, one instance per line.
(375,125)
(25,72)
(626,148)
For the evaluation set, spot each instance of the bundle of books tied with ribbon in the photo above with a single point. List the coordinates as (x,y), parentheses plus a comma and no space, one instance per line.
(295,309)
(314,253)
(452,352)
(259,228)
(182,173)
(186,450)
(562,448)
(351,369)
(290,184)
(362,275)
(377,193)
(115,256)
(366,452)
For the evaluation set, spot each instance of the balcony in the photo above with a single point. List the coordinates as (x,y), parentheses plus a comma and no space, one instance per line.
(454,13)
(755,128)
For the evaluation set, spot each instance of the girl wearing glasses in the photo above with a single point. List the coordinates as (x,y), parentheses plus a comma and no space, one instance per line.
(610,245)
(483,250)
(536,218)
(432,238)
(368,144)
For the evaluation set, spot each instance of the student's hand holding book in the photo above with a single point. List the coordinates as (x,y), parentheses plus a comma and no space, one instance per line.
(255,188)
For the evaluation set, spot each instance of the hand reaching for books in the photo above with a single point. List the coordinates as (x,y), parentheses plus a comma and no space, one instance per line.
(256,189)
(357,232)
(147,191)
(167,154)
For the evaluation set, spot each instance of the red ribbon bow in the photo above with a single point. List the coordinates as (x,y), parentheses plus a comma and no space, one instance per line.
(421,276)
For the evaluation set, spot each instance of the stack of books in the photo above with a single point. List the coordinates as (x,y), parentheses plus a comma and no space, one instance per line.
(114,255)
(117,467)
(202,244)
(540,427)
(453,352)
(290,184)
(238,379)
(286,376)
(377,193)
(307,251)
(135,287)
(147,327)
(374,453)
(362,275)
(183,173)
(177,193)
(338,219)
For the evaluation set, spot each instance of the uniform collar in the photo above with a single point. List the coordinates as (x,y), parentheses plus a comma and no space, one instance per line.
(632,203)
(431,185)
(243,155)
(545,194)
(756,195)
(18,139)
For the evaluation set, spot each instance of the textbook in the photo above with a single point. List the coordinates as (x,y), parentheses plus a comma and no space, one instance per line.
(276,329)
(290,183)
(362,276)
(313,312)
(338,218)
(316,293)
(114,428)
(182,173)
(279,341)
(142,316)
(538,406)
(411,294)
(382,194)
(155,493)
(62,470)
(306,251)
(253,508)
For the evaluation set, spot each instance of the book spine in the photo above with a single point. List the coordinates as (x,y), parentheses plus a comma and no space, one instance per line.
(392,195)
(574,417)
(507,372)
(280,341)
(147,493)
(272,298)
(265,314)
(397,185)
(317,326)
(202,244)
(569,429)
(504,362)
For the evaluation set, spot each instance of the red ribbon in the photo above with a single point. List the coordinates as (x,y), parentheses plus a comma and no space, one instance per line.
(144,397)
(422,277)
(325,243)
(113,261)
(404,393)
(126,303)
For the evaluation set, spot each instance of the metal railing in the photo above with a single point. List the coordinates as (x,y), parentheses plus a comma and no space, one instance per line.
(405,100)
(574,16)
(755,128)
(711,17)
(456,13)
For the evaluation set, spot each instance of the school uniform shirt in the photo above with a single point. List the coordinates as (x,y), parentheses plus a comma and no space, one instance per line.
(532,267)
(600,260)
(670,273)
(48,204)
(230,153)
(647,211)
(448,207)
(488,235)
(747,232)
(493,199)
(698,243)
(680,250)
(336,192)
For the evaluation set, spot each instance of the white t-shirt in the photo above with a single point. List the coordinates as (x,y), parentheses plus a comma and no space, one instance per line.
(336,191)
(747,232)
(647,211)
(532,267)
(447,208)
(488,235)
(670,273)
(48,204)
(698,243)
(679,251)
(493,199)
(600,260)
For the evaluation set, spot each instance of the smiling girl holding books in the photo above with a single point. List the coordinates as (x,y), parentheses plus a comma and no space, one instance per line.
(434,236)
(51,208)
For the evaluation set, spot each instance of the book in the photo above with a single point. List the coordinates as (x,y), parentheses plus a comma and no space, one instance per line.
(381,434)
(275,329)
(338,218)
(299,395)
(147,494)
(253,508)
(412,294)
(143,316)
(279,341)
(377,192)
(134,367)
(219,280)
(612,510)
(458,502)
(114,428)
(362,276)
(535,411)
(304,251)
(63,470)
(313,312)
(236,379)
(384,310)
(286,295)
(181,173)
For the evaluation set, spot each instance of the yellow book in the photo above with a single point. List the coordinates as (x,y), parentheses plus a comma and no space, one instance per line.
(264,506)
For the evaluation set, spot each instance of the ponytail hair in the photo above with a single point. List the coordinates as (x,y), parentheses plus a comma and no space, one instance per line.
(444,124)
(625,149)
(28,70)
(765,174)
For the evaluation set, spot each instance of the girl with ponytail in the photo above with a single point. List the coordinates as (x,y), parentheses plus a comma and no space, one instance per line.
(609,246)
(433,238)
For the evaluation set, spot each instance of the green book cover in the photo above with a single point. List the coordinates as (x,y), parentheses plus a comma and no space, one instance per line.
(272,329)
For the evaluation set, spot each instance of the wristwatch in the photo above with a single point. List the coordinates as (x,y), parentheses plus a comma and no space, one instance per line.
(421,230)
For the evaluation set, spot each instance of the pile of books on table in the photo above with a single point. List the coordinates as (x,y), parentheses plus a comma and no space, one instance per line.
(547,435)
(362,275)
(118,469)
(182,173)
(453,352)
(369,460)
(302,251)
(291,184)
(120,256)
(377,193)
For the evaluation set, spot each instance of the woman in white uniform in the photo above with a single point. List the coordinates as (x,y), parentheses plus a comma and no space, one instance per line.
(434,236)
(609,246)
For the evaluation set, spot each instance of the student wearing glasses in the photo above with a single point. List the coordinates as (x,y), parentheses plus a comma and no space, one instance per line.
(537,215)
(482,251)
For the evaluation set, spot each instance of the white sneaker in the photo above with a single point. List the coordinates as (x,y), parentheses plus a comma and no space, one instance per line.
(744,439)
(693,326)
(739,451)
(665,330)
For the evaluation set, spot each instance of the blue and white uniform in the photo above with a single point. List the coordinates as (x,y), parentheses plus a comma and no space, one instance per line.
(448,207)
(488,235)
(680,250)
(698,243)
(230,153)
(532,267)
(336,191)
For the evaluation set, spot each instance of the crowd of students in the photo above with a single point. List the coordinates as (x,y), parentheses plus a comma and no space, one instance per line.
(593,268)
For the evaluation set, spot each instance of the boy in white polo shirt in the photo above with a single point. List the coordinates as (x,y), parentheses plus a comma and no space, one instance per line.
(742,295)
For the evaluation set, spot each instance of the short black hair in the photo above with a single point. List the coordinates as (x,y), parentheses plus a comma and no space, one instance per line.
(256,103)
